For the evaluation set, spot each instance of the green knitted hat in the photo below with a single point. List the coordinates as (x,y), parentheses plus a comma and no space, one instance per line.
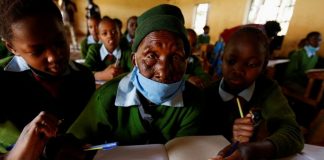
(162,17)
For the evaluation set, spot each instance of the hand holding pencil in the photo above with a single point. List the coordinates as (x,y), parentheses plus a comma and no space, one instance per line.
(242,132)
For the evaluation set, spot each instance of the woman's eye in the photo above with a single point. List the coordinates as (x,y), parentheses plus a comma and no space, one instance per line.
(151,56)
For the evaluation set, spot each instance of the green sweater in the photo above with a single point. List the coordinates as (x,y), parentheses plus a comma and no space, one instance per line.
(203,39)
(84,47)
(103,121)
(277,122)
(299,63)
(4,51)
(94,63)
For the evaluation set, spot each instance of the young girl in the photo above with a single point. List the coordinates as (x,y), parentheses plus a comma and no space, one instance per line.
(270,130)
(38,78)
(300,61)
(108,59)
(92,23)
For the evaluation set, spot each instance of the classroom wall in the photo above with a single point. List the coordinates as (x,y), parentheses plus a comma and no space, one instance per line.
(121,9)
(307,17)
(222,14)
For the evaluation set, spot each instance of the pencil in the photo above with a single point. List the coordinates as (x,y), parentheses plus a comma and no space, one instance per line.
(107,146)
(239,107)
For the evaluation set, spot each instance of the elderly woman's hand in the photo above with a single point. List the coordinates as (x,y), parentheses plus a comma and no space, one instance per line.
(34,136)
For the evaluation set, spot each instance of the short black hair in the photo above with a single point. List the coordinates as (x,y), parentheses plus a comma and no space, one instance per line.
(118,22)
(206,27)
(312,34)
(95,17)
(272,28)
(254,35)
(14,10)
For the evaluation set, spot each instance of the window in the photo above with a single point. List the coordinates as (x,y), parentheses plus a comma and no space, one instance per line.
(200,17)
(267,10)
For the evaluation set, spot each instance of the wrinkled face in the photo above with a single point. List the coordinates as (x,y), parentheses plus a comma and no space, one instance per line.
(93,28)
(131,27)
(109,35)
(161,57)
(315,41)
(242,64)
(41,42)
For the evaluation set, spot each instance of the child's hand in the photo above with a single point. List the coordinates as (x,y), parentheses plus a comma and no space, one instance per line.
(110,72)
(34,136)
(222,154)
(243,129)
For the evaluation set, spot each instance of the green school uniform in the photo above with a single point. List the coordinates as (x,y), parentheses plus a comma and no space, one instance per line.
(5,61)
(194,68)
(84,47)
(103,121)
(4,51)
(203,39)
(24,97)
(94,63)
(299,63)
(277,123)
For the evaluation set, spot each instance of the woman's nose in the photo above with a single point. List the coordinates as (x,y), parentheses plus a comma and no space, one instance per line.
(164,71)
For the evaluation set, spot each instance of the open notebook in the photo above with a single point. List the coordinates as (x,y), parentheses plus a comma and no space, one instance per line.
(190,148)
(181,148)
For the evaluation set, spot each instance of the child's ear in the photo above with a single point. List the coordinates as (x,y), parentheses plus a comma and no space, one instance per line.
(10,47)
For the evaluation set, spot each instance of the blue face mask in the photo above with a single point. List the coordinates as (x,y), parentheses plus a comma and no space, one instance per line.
(155,92)
(311,51)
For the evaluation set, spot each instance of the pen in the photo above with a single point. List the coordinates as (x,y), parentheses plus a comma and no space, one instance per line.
(239,107)
(232,149)
(107,146)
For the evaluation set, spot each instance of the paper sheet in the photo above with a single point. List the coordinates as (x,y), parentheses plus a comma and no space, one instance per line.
(195,147)
(136,152)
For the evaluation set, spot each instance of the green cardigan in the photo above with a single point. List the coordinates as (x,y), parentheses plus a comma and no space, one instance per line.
(103,121)
(277,125)
(84,47)
(94,62)
(299,63)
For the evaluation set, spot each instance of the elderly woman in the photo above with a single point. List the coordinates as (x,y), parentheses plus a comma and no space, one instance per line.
(153,103)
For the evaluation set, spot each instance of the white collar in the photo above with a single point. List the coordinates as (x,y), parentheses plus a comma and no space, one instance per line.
(90,40)
(246,93)
(309,52)
(128,37)
(17,64)
(127,96)
(104,52)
